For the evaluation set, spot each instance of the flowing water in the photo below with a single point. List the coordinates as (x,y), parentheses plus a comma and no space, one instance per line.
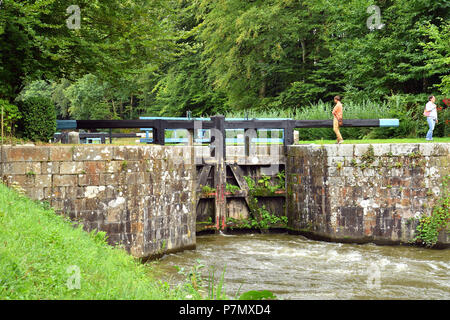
(293,267)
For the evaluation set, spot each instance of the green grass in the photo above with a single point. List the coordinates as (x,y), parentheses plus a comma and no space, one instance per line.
(319,111)
(373,141)
(38,247)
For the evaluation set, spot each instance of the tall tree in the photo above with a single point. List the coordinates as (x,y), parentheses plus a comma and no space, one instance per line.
(254,50)
(42,39)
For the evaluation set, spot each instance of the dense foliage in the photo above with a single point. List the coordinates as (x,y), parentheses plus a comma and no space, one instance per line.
(155,57)
(11,115)
(38,118)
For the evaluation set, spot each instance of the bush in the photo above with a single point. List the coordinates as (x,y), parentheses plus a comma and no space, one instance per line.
(409,110)
(11,115)
(38,118)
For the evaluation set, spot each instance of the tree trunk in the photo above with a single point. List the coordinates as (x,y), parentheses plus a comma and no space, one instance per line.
(131,106)
(302,42)
(262,89)
(114,107)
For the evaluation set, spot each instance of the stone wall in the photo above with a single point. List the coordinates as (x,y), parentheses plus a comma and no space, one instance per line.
(142,196)
(364,193)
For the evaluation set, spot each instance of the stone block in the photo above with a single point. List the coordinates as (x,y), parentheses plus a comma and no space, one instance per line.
(57,204)
(426,149)
(381,149)
(79,204)
(90,215)
(94,167)
(92,202)
(92,153)
(60,153)
(73,192)
(335,161)
(441,149)
(347,171)
(137,227)
(336,181)
(58,192)
(369,172)
(109,179)
(361,149)
(25,153)
(114,166)
(127,153)
(35,193)
(444,160)
(334,172)
(396,172)
(88,179)
(339,150)
(50,167)
(404,149)
(73,167)
(48,191)
(113,215)
(65,180)
(135,166)
(405,202)
(25,181)
(30,168)
(43,180)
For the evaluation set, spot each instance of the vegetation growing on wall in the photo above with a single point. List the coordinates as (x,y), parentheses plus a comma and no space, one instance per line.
(429,227)
(261,218)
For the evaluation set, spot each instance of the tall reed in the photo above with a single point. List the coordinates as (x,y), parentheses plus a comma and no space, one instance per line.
(319,111)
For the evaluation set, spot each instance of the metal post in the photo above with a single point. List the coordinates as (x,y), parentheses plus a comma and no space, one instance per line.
(250,147)
(159,135)
(288,133)
(219,127)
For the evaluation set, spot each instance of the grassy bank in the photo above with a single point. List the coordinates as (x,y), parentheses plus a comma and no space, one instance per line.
(41,253)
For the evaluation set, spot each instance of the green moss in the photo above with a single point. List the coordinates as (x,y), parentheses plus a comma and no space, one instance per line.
(30,173)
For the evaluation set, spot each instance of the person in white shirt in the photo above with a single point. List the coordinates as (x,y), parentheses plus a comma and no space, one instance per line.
(432,117)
